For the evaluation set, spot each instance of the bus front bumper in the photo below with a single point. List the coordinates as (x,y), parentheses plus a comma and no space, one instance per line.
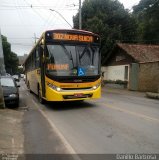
(73,95)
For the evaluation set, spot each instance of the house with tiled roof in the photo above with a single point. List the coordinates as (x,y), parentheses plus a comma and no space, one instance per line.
(138,64)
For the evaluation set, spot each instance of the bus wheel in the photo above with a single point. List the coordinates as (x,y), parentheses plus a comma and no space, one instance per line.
(41,100)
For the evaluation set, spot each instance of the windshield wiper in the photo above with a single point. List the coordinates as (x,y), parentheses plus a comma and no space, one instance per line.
(68,53)
(84,51)
(88,47)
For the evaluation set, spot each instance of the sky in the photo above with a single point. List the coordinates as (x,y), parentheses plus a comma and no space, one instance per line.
(23,21)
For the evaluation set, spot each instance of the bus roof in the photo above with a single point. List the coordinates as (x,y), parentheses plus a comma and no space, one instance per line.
(72,30)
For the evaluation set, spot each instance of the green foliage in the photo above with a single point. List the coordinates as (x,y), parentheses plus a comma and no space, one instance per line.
(10,58)
(110,20)
(147,16)
(20,70)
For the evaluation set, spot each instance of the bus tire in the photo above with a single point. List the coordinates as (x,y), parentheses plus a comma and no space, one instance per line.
(41,100)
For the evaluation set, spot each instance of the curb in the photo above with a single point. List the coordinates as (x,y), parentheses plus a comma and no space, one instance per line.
(2,104)
(152,95)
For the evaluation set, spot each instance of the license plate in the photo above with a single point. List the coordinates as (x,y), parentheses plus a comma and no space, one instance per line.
(79,95)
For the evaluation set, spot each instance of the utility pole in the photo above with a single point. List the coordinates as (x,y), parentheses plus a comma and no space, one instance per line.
(2,71)
(80,15)
(2,65)
(35,37)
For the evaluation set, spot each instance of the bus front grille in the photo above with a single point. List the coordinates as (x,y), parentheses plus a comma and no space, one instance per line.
(87,88)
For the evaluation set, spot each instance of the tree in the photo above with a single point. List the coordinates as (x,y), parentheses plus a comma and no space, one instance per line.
(10,58)
(110,20)
(147,15)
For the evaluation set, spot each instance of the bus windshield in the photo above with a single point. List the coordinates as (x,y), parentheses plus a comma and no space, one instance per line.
(72,60)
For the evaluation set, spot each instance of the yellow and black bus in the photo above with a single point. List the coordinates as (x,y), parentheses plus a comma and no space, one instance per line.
(65,65)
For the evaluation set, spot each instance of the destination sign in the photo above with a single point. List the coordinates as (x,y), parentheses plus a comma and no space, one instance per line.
(57,66)
(72,37)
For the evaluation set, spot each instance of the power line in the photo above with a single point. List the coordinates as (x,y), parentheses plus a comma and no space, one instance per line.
(18,38)
(26,6)
(61,16)
(30,6)
(21,44)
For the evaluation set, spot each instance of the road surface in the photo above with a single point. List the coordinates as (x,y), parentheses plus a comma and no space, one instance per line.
(119,122)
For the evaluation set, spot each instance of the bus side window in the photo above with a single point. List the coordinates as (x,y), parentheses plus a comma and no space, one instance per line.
(30,63)
(33,60)
(41,53)
(37,58)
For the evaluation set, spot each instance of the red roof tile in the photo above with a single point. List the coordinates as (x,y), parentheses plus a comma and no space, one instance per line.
(141,52)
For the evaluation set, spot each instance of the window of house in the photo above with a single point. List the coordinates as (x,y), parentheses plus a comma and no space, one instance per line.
(126,73)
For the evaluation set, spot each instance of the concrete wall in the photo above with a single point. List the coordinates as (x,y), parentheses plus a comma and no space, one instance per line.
(149,77)
(114,72)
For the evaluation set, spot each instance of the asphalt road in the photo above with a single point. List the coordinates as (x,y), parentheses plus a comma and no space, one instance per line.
(119,122)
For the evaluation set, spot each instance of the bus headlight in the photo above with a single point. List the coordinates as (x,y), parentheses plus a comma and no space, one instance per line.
(96,86)
(58,89)
(54,87)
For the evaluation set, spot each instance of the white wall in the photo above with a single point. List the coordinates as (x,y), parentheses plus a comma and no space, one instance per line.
(114,72)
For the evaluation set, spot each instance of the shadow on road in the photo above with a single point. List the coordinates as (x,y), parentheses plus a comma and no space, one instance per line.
(70,105)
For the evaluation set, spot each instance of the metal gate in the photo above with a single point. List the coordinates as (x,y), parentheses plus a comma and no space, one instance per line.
(134,76)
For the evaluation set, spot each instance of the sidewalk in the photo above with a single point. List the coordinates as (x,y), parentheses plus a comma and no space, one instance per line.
(107,89)
(152,95)
(11,136)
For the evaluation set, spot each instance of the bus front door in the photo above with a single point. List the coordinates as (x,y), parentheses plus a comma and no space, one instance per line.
(42,66)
